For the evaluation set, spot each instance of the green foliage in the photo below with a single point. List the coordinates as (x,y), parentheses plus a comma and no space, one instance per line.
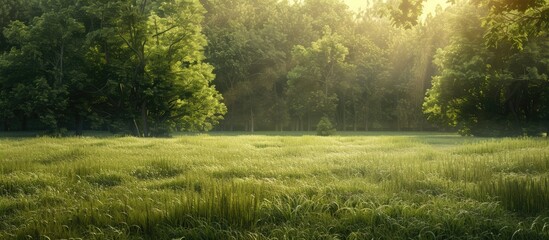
(132,68)
(407,12)
(515,21)
(248,49)
(40,51)
(485,91)
(149,68)
(319,69)
(507,21)
(325,127)
(281,65)
(166,83)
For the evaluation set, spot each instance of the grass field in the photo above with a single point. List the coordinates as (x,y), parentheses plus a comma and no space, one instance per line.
(409,186)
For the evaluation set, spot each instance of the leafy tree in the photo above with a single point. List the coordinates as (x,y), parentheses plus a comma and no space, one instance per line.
(247,50)
(361,93)
(411,55)
(48,51)
(160,81)
(319,71)
(515,21)
(510,20)
(332,13)
(134,66)
(16,10)
(486,91)
(405,13)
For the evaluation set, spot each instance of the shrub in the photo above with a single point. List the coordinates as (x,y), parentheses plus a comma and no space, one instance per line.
(325,127)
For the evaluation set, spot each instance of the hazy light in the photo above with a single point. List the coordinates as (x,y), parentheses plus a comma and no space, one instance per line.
(356,5)
(429,6)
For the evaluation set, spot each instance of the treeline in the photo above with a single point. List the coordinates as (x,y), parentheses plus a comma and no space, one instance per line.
(284,66)
(150,67)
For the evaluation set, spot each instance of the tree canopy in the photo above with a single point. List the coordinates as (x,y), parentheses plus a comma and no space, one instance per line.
(148,68)
(132,67)
(489,91)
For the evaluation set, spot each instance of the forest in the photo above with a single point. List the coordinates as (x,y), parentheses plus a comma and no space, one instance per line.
(149,68)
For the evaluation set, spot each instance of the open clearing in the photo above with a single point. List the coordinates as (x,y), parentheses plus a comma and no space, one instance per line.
(413,186)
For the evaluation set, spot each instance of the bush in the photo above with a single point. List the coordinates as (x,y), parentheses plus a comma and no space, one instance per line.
(325,127)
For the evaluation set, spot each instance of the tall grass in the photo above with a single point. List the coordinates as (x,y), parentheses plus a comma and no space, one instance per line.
(425,186)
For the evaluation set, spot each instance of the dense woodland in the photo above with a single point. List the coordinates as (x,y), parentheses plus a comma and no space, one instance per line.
(151,67)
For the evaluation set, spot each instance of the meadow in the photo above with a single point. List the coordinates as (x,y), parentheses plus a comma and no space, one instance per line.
(351,186)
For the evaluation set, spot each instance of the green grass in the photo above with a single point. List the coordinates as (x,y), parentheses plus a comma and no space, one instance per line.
(351,186)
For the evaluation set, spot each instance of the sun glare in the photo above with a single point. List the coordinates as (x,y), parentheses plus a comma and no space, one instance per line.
(430,6)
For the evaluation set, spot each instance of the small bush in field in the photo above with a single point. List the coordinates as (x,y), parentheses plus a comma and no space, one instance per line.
(325,127)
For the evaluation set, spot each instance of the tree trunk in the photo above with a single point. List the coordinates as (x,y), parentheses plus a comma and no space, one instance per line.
(398,123)
(107,54)
(355,119)
(6,125)
(251,120)
(144,127)
(365,122)
(137,132)
(308,122)
(61,74)
(24,124)
(344,117)
(79,128)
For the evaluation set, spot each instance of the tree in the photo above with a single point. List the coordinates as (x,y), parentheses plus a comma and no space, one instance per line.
(247,51)
(515,21)
(42,51)
(411,55)
(160,81)
(482,90)
(361,94)
(136,67)
(16,10)
(510,20)
(319,71)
